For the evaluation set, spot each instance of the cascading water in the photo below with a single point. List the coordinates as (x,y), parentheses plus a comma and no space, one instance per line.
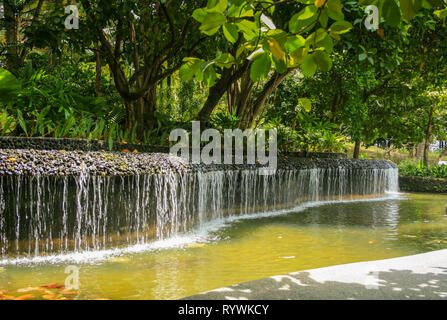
(57,214)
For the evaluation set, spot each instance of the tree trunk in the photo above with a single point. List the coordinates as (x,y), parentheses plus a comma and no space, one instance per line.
(250,115)
(420,151)
(357,149)
(141,113)
(98,70)
(428,136)
(215,94)
(411,151)
(217,91)
(12,52)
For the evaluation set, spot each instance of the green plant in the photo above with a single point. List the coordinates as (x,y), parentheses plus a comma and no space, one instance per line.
(411,169)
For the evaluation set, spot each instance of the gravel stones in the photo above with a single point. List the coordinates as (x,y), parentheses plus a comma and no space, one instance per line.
(29,162)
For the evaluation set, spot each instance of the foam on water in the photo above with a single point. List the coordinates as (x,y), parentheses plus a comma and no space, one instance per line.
(202,234)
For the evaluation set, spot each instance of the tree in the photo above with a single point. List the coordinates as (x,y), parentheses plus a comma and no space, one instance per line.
(18,16)
(263,48)
(143,42)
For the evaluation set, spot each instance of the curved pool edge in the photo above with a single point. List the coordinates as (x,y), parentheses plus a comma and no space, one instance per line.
(422,276)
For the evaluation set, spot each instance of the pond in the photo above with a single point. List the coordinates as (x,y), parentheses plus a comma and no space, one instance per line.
(234,250)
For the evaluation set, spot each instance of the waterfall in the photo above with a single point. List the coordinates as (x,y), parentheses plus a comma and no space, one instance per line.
(43,214)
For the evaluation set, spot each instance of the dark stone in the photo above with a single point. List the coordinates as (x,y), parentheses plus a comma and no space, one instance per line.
(422,184)
(100,145)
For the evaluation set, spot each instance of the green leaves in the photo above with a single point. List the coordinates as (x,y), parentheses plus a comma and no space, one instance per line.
(211,17)
(309,66)
(307,13)
(249,29)
(318,59)
(441,14)
(306,104)
(218,6)
(230,32)
(340,27)
(9,86)
(212,23)
(323,60)
(260,67)
(294,42)
(190,68)
(410,8)
(391,13)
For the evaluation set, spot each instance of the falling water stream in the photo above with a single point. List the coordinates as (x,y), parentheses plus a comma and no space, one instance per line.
(56,215)
(173,235)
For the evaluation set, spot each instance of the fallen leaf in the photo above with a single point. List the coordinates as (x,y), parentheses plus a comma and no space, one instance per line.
(125,151)
(53,286)
(371,242)
(380,32)
(67,291)
(25,297)
(12,159)
(2,297)
(50,296)
(135,151)
(29,289)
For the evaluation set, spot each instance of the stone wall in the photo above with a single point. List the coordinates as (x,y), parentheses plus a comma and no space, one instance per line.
(422,184)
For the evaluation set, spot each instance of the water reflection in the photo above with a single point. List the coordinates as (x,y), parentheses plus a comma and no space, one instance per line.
(245,250)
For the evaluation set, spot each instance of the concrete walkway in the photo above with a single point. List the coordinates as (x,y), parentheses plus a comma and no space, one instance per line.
(422,276)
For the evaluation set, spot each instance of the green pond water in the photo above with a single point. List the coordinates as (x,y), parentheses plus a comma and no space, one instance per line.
(243,250)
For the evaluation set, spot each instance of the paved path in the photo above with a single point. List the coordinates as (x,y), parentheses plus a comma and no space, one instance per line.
(422,276)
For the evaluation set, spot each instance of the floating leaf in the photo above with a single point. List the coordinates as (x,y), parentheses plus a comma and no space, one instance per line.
(25,297)
(53,286)
(29,289)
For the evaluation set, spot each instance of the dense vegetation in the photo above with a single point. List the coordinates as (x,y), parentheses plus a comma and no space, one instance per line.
(419,170)
(135,70)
